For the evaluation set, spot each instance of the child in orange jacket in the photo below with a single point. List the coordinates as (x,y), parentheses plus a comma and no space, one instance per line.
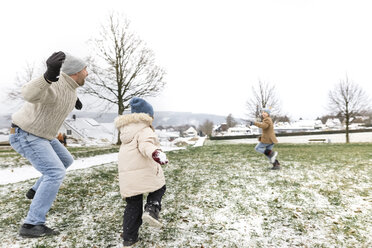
(267,139)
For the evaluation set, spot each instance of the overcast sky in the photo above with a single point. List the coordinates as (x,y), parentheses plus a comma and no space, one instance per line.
(213,51)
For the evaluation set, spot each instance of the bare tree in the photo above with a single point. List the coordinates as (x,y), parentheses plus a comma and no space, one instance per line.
(22,77)
(281,118)
(123,68)
(207,127)
(230,121)
(264,96)
(348,100)
(14,91)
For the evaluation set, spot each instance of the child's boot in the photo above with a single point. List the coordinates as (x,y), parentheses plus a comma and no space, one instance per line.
(129,243)
(276,165)
(151,215)
(271,155)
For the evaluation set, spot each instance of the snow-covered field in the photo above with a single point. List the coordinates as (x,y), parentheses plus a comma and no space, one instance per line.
(217,196)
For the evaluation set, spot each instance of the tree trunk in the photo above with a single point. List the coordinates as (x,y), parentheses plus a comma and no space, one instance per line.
(120,112)
(347,129)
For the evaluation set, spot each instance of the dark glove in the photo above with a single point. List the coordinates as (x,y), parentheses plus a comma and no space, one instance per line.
(250,122)
(54,64)
(78,104)
(160,157)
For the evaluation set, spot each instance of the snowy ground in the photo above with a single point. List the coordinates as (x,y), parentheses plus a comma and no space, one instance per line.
(217,196)
(18,174)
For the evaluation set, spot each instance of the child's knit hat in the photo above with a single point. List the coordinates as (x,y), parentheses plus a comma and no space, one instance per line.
(72,65)
(138,105)
(267,110)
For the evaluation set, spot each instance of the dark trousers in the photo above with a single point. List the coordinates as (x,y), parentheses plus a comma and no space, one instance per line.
(134,209)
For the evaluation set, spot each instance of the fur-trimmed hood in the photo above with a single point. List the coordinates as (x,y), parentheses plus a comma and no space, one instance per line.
(129,125)
(123,120)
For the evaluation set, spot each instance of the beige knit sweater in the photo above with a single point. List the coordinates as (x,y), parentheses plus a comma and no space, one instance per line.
(47,106)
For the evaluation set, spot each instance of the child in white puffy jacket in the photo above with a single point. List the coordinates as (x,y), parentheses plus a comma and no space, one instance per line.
(140,171)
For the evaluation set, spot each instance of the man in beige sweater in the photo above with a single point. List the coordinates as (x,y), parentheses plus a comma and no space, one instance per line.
(48,101)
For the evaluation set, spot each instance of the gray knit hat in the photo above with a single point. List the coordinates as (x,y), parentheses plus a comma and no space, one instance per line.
(72,65)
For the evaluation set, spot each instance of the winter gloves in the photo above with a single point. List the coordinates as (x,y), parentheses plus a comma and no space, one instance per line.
(54,64)
(78,104)
(250,122)
(160,157)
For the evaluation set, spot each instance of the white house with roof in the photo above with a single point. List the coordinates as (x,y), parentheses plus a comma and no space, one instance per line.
(191,132)
(333,123)
(298,126)
(88,131)
(165,135)
(239,130)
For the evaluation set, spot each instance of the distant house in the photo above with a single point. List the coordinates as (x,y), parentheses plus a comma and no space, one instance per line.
(319,124)
(297,126)
(358,122)
(333,123)
(239,130)
(191,132)
(167,135)
(87,130)
(221,128)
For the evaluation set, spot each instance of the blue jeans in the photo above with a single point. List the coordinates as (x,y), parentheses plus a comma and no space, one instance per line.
(261,147)
(51,159)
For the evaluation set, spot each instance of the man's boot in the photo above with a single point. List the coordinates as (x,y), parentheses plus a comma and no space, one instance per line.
(36,231)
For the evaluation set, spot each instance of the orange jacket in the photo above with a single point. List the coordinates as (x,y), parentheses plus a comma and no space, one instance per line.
(60,137)
(268,134)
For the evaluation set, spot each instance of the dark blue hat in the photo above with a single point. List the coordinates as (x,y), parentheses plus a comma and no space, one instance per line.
(138,105)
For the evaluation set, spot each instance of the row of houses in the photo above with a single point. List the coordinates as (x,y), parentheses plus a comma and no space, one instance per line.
(87,131)
(79,131)
(285,127)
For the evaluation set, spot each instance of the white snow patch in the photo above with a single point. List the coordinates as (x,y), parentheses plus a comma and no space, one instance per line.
(13,175)
(200,141)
